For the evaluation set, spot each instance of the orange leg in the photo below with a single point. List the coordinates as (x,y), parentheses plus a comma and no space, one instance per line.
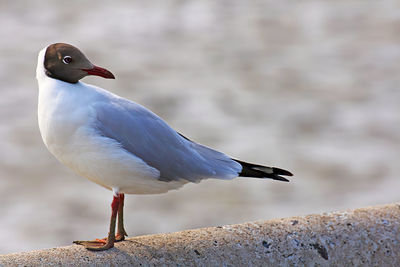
(103,244)
(121,233)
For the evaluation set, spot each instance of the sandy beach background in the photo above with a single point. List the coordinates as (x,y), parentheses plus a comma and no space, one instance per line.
(310,86)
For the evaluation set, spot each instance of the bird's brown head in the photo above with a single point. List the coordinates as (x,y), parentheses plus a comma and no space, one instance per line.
(67,63)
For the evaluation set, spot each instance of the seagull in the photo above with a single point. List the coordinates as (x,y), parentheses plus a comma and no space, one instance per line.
(117,143)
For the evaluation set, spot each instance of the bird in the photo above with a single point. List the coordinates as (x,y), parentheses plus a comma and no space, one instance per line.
(117,143)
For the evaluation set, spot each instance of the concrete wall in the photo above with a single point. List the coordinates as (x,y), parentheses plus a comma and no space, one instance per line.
(368,236)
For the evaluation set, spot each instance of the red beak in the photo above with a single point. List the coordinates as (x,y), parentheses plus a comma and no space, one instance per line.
(99,72)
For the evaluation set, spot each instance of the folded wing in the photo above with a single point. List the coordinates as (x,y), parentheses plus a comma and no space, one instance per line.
(148,137)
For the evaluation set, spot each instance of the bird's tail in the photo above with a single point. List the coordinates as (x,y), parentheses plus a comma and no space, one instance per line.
(259,171)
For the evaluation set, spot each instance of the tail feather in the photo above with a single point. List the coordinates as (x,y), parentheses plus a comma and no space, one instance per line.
(259,171)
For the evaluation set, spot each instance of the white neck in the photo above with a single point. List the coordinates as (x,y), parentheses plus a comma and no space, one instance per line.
(40,70)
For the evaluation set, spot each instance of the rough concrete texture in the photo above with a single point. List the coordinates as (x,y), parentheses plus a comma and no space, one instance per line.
(361,237)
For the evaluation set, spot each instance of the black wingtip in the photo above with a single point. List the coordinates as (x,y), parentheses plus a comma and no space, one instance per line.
(259,171)
(280,178)
(282,171)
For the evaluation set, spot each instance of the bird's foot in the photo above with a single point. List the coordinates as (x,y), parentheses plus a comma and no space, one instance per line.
(120,236)
(101,244)
(97,245)
(121,233)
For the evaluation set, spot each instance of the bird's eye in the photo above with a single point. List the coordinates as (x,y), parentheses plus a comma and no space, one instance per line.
(67,59)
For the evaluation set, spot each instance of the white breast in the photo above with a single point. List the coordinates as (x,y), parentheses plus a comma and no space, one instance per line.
(61,113)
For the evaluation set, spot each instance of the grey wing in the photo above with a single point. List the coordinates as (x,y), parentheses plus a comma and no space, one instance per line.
(148,137)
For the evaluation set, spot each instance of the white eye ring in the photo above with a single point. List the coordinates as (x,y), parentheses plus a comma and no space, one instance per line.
(67,59)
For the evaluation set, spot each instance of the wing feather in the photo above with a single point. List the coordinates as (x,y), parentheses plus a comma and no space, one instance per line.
(148,137)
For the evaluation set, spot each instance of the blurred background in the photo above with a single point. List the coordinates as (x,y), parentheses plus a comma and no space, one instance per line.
(310,86)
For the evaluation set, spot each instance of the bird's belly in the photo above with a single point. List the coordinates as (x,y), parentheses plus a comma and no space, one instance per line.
(103,161)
